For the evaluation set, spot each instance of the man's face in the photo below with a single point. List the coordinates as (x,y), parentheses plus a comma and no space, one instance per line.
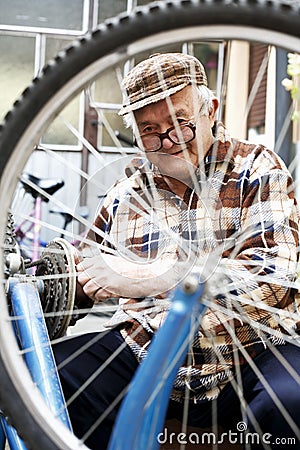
(173,160)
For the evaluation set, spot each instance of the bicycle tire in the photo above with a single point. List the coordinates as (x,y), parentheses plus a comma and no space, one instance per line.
(116,40)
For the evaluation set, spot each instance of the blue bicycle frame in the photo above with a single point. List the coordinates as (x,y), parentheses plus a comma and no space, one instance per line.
(31,330)
(152,388)
(142,413)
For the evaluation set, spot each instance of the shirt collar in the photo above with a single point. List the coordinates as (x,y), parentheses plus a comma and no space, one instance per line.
(221,151)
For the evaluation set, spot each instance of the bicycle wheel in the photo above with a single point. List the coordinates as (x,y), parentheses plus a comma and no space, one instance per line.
(162,25)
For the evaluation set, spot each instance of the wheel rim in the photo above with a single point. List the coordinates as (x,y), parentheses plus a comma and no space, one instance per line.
(25,145)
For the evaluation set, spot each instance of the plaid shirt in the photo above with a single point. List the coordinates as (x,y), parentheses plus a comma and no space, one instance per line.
(243,213)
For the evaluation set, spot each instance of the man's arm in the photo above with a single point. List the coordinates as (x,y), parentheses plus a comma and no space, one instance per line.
(263,265)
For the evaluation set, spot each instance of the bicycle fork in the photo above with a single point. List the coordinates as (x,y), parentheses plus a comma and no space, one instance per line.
(154,378)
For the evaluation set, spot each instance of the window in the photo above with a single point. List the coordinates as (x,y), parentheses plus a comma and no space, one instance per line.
(17,59)
(53,14)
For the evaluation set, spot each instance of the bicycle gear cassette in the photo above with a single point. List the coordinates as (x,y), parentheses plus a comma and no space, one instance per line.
(57,269)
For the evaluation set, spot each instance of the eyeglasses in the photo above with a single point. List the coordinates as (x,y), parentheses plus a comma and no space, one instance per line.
(181,134)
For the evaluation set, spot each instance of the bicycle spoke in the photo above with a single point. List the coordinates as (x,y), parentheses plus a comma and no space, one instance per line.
(234,274)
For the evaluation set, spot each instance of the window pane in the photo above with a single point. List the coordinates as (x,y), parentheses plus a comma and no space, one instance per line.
(54,45)
(143,2)
(115,126)
(106,91)
(59,133)
(109,9)
(66,14)
(169,48)
(106,88)
(208,54)
(17,66)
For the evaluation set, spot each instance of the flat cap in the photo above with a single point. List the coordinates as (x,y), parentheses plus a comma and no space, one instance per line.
(158,77)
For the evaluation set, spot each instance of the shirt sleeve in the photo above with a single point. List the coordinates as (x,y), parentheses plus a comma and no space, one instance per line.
(262,266)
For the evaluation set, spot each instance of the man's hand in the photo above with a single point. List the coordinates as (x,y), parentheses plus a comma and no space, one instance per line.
(106,276)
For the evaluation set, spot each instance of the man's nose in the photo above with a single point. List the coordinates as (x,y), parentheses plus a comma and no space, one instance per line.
(167,143)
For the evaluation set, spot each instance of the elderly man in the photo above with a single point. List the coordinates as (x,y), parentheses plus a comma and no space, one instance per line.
(194,199)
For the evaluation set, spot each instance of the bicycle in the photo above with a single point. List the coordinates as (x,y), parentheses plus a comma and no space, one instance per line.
(33,328)
(155,26)
(29,244)
(27,230)
(32,222)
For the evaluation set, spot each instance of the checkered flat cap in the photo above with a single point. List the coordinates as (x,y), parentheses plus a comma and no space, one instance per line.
(158,77)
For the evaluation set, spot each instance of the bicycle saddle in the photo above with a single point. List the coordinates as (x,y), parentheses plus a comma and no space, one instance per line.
(48,185)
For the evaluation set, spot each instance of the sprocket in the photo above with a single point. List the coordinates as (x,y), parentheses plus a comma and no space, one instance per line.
(57,269)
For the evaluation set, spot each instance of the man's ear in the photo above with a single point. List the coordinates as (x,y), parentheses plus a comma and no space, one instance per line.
(212,112)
